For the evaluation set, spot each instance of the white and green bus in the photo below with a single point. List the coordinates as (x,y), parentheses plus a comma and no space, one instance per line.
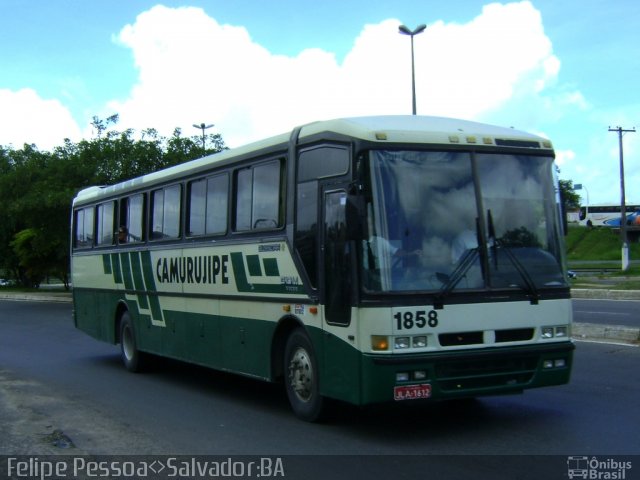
(368,260)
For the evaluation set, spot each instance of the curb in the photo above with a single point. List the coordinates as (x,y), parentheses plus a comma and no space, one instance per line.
(601,294)
(592,331)
(35,297)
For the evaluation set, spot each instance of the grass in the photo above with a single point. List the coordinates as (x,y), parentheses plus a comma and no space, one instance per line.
(597,252)
(597,244)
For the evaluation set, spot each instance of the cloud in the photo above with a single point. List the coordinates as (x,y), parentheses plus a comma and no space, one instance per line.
(194,69)
(565,157)
(499,67)
(28,118)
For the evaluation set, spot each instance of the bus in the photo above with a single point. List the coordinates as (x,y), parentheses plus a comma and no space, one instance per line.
(604,215)
(360,260)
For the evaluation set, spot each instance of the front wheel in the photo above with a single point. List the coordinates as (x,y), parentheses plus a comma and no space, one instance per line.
(302,377)
(132,358)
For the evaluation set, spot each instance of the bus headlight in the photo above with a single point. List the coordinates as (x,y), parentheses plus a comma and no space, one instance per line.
(559,331)
(419,341)
(401,342)
(547,332)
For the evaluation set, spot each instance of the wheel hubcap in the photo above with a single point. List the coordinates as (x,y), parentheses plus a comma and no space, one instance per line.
(301,374)
(127,343)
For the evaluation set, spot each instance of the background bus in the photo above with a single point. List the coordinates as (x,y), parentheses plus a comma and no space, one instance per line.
(608,215)
(367,260)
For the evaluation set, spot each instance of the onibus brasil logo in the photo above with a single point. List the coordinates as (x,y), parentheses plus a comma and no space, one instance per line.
(597,469)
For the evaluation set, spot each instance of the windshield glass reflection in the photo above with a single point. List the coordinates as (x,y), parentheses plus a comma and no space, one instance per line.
(424,224)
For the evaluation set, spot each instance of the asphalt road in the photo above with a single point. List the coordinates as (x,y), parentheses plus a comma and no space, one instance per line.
(60,388)
(607,312)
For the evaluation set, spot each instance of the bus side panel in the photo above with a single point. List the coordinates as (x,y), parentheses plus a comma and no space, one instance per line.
(341,375)
(196,331)
(247,345)
(96,301)
(94,313)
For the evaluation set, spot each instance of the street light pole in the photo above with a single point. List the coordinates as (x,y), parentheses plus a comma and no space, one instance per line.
(405,31)
(623,213)
(203,127)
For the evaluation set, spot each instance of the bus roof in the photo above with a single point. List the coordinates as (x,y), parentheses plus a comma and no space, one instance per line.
(380,129)
(418,129)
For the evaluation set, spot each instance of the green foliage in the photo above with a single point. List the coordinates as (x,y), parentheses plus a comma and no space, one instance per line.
(37,187)
(36,255)
(571,198)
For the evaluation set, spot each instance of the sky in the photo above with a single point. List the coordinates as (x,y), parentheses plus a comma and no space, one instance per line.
(567,70)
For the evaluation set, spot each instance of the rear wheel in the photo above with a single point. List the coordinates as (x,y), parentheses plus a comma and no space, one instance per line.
(132,358)
(301,377)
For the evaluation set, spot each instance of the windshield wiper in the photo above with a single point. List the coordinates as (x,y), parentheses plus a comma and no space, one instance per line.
(464,265)
(531,289)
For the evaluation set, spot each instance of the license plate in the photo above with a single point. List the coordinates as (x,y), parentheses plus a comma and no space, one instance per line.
(412,392)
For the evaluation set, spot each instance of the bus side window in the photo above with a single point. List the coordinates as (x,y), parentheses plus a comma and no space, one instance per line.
(165,213)
(197,207)
(259,202)
(217,204)
(84,228)
(131,226)
(105,222)
(207,206)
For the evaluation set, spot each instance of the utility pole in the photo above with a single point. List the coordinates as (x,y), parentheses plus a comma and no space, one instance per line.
(623,213)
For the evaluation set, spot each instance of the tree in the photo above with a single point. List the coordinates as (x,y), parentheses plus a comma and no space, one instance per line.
(35,255)
(37,188)
(570,197)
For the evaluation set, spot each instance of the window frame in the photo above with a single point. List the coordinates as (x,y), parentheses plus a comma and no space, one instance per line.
(86,243)
(224,177)
(103,239)
(249,198)
(152,235)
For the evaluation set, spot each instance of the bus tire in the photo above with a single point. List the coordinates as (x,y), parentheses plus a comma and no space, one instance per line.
(301,377)
(132,358)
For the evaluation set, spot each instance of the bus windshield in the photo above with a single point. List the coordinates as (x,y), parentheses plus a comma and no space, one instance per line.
(434,225)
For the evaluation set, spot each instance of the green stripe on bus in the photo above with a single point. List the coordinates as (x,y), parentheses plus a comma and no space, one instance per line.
(150,282)
(106,264)
(156,310)
(253,262)
(147,271)
(126,267)
(271,267)
(136,268)
(237,263)
(243,285)
(117,271)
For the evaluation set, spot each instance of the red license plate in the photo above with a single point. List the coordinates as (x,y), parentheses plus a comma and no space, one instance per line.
(412,392)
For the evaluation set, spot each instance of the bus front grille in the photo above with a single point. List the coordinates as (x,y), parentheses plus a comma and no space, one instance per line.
(485,373)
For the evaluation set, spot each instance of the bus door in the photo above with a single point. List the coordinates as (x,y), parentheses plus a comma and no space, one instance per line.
(336,268)
(340,371)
